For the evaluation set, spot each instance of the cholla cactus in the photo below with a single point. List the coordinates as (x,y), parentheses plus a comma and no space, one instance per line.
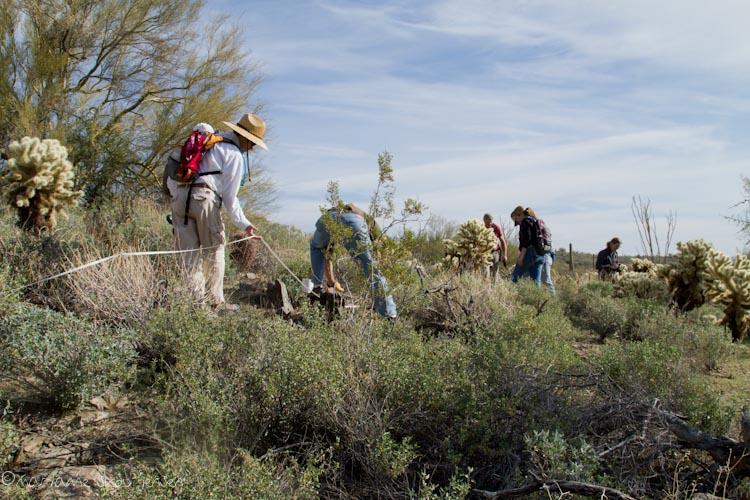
(643,266)
(39,180)
(687,277)
(729,286)
(645,285)
(472,248)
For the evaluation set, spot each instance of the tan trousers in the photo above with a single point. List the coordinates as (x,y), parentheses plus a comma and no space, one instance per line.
(204,270)
(495,264)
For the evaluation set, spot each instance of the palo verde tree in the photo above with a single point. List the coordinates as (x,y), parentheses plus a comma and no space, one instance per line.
(119,81)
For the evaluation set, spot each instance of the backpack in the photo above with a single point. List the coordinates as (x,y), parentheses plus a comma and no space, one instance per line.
(186,169)
(543,240)
(191,153)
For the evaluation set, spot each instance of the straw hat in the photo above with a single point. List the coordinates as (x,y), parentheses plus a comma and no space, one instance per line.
(251,127)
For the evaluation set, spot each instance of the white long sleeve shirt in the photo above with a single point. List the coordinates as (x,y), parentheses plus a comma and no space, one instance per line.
(228,159)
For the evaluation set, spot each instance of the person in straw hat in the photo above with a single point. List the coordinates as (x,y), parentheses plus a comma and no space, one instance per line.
(204,228)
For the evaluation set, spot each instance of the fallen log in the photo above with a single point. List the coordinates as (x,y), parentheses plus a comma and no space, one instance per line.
(552,486)
(724,451)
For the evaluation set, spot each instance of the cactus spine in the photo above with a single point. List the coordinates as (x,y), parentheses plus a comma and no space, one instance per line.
(39,182)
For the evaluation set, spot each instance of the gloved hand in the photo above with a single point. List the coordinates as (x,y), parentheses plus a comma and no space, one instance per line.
(337,286)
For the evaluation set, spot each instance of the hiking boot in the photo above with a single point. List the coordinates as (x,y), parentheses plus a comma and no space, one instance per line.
(226,307)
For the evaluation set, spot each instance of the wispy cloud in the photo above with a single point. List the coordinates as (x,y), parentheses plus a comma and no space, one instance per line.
(485,105)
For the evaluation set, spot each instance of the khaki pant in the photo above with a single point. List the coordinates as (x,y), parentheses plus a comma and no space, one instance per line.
(495,264)
(204,270)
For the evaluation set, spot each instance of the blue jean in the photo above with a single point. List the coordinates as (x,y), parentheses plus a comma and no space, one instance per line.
(547,271)
(532,266)
(359,247)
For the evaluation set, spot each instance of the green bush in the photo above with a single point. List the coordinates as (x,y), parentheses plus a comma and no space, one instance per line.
(186,475)
(702,343)
(657,368)
(554,457)
(9,439)
(593,308)
(62,359)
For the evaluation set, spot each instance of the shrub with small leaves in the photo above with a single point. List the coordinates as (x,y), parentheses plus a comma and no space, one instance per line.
(9,439)
(188,475)
(554,457)
(61,359)
(39,182)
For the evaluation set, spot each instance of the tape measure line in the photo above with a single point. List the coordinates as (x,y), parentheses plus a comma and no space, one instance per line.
(127,254)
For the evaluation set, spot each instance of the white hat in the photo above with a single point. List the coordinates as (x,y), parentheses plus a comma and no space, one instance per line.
(204,127)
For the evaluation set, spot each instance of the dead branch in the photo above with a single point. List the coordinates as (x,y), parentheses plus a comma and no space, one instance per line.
(578,488)
(724,451)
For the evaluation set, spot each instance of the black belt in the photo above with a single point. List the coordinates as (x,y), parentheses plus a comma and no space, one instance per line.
(196,185)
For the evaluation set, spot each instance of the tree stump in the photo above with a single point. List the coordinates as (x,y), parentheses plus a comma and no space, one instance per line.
(278,296)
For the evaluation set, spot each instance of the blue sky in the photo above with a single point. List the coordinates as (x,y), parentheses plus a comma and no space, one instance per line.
(571,107)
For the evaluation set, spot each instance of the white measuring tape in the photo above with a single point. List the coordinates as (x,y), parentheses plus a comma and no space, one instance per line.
(137,254)
(160,252)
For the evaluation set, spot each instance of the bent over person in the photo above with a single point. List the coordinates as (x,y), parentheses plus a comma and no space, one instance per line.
(196,209)
(361,231)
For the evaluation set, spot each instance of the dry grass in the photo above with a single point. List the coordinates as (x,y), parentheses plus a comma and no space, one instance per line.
(123,290)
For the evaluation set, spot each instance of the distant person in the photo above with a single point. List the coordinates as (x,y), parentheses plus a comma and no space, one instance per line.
(529,262)
(500,251)
(549,257)
(607,261)
(361,231)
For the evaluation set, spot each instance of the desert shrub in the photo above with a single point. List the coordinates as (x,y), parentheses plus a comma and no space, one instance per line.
(123,223)
(346,387)
(457,487)
(123,290)
(655,368)
(62,359)
(703,344)
(554,457)
(197,351)
(289,243)
(461,304)
(9,439)
(187,475)
(644,368)
(593,308)
(31,259)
